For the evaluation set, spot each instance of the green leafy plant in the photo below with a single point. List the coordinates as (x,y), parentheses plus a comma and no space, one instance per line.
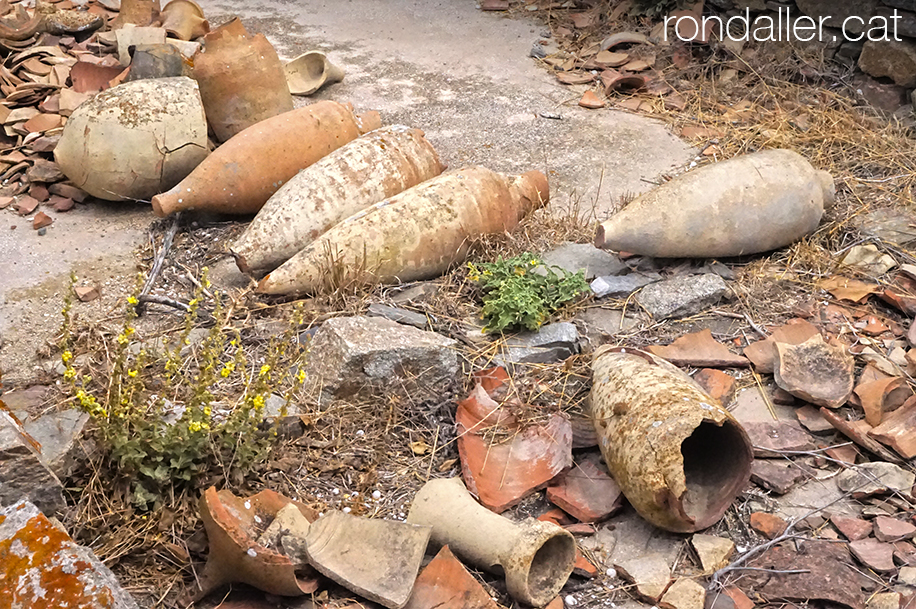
(157,415)
(522,291)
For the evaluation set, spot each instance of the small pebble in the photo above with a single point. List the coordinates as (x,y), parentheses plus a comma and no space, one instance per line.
(360,433)
(42,231)
(612,573)
(251,552)
(376,495)
(346,510)
(335,491)
(570,601)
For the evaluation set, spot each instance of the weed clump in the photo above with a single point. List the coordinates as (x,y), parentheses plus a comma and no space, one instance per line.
(522,291)
(159,422)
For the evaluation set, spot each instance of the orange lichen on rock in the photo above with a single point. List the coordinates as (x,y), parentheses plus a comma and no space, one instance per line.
(41,567)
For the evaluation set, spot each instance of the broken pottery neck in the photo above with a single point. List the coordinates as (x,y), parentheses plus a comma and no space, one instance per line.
(535,557)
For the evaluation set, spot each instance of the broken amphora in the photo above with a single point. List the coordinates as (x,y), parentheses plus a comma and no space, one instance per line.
(678,456)
(415,235)
(535,557)
(242,81)
(311,71)
(367,170)
(184,20)
(234,526)
(242,174)
(134,140)
(753,203)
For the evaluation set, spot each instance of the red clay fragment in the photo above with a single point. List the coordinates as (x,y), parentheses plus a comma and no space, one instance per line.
(235,554)
(719,385)
(739,598)
(587,493)
(699,350)
(591,101)
(41,220)
(824,574)
(768,525)
(763,352)
(898,430)
(874,554)
(92,78)
(584,567)
(852,529)
(882,396)
(858,432)
(556,516)
(527,460)
(445,582)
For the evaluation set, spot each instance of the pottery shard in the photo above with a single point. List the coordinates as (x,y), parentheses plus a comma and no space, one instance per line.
(360,354)
(874,554)
(889,529)
(699,349)
(650,575)
(762,353)
(776,476)
(682,296)
(768,525)
(591,101)
(718,384)
(445,582)
(771,439)
(852,529)
(50,570)
(882,396)
(377,559)
(884,600)
(812,420)
(684,594)
(23,474)
(875,478)
(824,573)
(502,474)
(587,493)
(898,430)
(714,552)
(858,431)
(815,371)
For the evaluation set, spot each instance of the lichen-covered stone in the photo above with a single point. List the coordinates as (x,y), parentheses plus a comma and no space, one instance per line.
(41,567)
(349,355)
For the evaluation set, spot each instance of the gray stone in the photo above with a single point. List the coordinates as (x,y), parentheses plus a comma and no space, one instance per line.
(597,322)
(60,434)
(552,343)
(23,475)
(23,402)
(682,296)
(891,58)
(622,286)
(415,293)
(399,315)
(650,576)
(893,225)
(352,354)
(52,570)
(575,257)
(875,478)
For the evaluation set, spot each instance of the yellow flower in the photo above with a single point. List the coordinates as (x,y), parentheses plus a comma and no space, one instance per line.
(519,271)
(535,262)
(132,374)
(194,426)
(132,300)
(258,402)
(207,411)
(301,376)
(70,374)
(122,339)
(264,369)
(66,356)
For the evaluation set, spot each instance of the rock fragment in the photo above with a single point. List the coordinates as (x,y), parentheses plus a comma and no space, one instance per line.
(815,371)
(650,576)
(52,570)
(682,296)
